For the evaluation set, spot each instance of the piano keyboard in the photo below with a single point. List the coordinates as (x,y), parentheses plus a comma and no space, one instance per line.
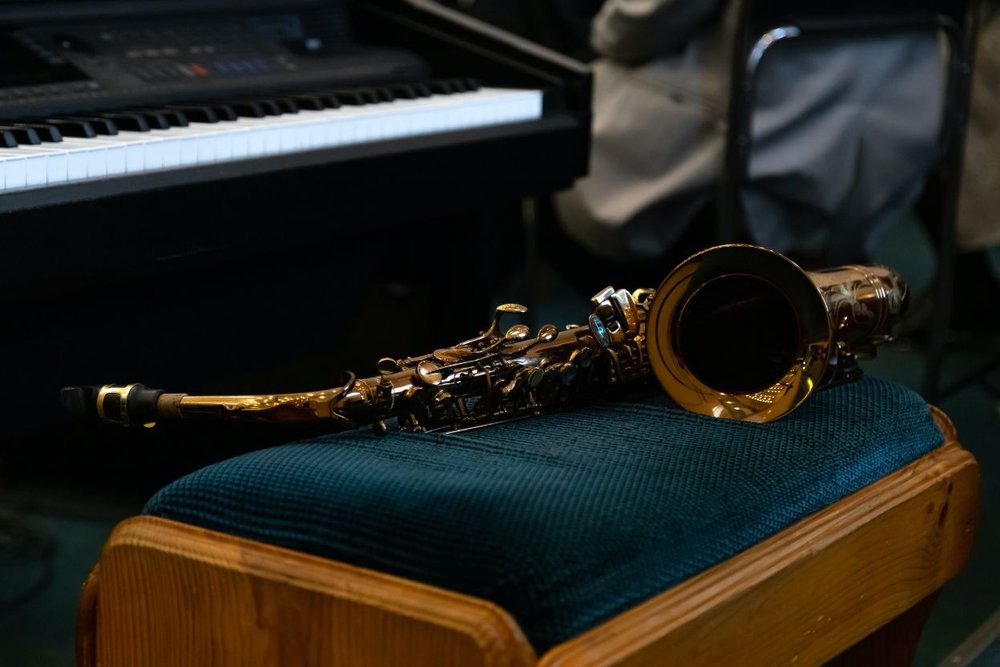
(39,154)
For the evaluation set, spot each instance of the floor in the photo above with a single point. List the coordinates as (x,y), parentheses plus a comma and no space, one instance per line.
(51,530)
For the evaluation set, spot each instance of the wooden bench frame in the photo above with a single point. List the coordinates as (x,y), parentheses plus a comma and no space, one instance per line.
(855,580)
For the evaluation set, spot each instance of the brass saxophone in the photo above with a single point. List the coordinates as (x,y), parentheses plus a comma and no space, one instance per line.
(735,332)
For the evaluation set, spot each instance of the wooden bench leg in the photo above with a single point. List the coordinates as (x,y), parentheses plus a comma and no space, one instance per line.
(892,645)
(86,623)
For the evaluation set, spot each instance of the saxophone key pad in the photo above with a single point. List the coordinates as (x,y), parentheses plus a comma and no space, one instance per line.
(548,333)
(429,373)
(518,332)
(600,331)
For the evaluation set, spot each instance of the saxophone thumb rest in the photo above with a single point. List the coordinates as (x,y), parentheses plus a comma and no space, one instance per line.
(735,331)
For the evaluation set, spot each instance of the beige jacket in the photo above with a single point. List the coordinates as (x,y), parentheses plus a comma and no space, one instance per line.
(842,134)
(979,204)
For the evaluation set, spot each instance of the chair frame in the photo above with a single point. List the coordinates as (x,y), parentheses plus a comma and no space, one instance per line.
(764,24)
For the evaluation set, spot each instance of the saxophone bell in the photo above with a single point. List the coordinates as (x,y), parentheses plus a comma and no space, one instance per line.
(741,332)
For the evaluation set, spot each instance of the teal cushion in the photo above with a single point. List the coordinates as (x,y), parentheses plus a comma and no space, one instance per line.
(567,519)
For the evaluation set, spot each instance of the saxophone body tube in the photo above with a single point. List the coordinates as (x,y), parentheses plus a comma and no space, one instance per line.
(490,379)
(735,331)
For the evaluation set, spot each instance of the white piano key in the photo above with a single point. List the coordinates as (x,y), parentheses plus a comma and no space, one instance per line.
(25,166)
(16,173)
(272,140)
(189,151)
(171,154)
(36,168)
(78,154)
(154,150)
(135,159)
(45,164)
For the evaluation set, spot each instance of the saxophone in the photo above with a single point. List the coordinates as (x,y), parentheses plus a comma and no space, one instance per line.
(734,332)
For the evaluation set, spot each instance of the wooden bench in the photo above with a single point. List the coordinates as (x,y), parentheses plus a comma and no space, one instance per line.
(855,580)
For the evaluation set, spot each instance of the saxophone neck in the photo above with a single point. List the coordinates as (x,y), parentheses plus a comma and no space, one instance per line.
(338,404)
(138,405)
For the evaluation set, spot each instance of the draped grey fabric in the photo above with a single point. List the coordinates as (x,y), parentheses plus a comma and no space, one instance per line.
(843,133)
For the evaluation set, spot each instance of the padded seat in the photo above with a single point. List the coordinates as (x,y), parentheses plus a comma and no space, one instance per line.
(563,520)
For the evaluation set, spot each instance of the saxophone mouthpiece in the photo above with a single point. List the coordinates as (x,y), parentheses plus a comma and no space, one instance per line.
(128,405)
(81,401)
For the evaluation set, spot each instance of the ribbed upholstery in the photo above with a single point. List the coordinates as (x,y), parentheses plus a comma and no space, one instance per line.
(564,520)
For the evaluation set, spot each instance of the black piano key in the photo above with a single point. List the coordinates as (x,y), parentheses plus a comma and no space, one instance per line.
(270,107)
(224,112)
(197,114)
(441,87)
(129,122)
(47,133)
(248,109)
(155,119)
(25,136)
(174,117)
(73,128)
(103,126)
(286,104)
(404,91)
(7,139)
(311,102)
(376,95)
(423,90)
(329,100)
(351,98)
(465,84)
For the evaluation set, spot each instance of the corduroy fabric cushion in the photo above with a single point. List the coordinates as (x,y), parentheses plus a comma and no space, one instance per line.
(567,519)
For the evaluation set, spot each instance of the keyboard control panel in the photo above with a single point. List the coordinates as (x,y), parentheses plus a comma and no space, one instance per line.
(48,63)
